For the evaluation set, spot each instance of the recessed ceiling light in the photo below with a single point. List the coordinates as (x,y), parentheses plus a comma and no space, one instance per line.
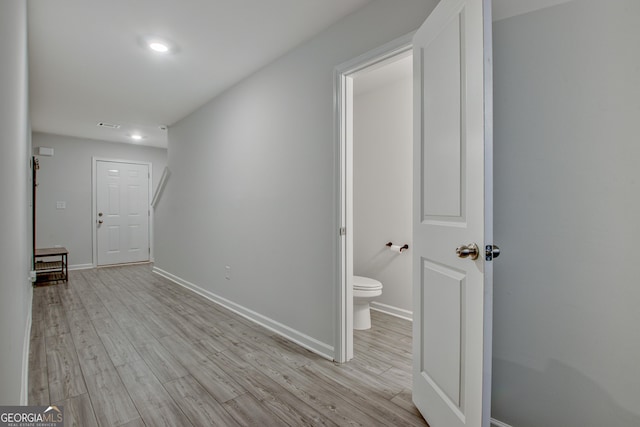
(159,47)
(136,137)
(158,44)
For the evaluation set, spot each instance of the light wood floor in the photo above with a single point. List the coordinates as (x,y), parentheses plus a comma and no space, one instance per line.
(121,346)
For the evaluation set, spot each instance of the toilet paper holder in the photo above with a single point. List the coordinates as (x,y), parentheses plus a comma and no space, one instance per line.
(397,248)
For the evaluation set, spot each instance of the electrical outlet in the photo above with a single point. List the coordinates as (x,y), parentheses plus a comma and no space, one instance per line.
(32,276)
(227,272)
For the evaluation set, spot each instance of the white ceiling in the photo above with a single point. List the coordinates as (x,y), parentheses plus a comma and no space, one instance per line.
(87,64)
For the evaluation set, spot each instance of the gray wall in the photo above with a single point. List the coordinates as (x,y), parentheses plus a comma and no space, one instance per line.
(567,209)
(67,177)
(254,179)
(15,210)
(382,191)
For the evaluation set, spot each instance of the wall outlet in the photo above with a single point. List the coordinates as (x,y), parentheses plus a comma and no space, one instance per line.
(227,272)
(32,276)
(61,205)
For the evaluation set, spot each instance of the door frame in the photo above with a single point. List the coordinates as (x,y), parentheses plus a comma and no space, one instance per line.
(343,136)
(94,200)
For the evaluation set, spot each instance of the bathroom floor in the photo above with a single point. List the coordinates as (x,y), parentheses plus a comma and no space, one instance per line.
(385,348)
(122,346)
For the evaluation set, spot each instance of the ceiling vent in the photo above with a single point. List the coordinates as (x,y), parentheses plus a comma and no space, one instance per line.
(108,125)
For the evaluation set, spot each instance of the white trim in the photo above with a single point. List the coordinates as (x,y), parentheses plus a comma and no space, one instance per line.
(26,348)
(344,302)
(94,213)
(343,110)
(487,329)
(496,423)
(310,343)
(81,267)
(392,311)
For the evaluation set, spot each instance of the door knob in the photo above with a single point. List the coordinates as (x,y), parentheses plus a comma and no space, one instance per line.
(470,251)
(100,214)
(100,221)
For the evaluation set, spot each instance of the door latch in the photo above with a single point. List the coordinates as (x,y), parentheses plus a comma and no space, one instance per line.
(491,252)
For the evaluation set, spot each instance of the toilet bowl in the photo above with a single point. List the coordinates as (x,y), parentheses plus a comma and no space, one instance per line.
(365,290)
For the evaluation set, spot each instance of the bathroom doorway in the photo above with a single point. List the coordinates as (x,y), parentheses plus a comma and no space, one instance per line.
(376,145)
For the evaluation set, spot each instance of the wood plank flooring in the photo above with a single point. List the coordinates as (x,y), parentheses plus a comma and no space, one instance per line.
(121,346)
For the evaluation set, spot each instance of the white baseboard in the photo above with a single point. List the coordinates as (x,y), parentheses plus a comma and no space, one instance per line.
(310,343)
(391,310)
(80,267)
(26,347)
(496,423)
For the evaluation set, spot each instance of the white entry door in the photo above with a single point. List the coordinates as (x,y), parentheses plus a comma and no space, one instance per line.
(122,212)
(453,207)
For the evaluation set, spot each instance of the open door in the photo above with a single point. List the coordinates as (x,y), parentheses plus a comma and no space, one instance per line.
(453,215)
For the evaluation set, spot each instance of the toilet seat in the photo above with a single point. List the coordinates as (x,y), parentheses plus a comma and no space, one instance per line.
(366,284)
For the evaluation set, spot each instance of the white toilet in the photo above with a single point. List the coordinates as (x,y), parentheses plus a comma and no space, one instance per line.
(365,290)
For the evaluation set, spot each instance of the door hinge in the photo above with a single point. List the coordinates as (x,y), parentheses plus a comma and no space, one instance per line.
(491,252)
(343,231)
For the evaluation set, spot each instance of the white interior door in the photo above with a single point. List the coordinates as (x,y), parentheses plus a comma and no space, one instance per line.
(122,212)
(452,207)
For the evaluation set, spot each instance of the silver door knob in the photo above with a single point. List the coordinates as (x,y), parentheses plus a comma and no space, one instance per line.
(468,251)
(100,221)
